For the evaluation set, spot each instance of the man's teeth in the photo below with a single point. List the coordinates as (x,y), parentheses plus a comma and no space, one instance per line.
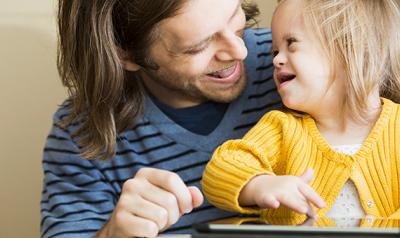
(215,74)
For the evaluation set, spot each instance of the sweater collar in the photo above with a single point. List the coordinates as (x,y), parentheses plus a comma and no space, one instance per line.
(372,139)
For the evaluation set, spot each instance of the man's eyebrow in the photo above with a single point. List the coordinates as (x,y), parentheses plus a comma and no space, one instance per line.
(209,38)
(199,44)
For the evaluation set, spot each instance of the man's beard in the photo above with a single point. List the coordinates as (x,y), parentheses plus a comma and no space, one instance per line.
(188,89)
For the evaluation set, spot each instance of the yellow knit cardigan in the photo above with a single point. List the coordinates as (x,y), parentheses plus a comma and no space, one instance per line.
(283,144)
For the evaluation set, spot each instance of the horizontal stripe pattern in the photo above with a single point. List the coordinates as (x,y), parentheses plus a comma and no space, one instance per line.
(79,195)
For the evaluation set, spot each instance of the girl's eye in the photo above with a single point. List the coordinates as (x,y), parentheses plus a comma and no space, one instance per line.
(274,53)
(290,41)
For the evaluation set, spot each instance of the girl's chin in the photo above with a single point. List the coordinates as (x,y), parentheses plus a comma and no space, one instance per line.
(291,104)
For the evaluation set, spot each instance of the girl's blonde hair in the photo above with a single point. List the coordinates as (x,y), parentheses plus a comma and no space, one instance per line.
(363,37)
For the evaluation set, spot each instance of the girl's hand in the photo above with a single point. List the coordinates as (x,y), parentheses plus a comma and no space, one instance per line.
(293,192)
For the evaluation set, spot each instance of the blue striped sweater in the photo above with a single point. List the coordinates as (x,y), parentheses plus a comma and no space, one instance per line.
(79,195)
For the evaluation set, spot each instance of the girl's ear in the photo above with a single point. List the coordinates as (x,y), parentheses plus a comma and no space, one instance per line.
(126,61)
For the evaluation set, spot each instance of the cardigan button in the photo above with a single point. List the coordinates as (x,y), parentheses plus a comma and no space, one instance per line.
(370,204)
(370,219)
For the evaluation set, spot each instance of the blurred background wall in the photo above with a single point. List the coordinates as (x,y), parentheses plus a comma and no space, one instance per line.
(267,7)
(30,91)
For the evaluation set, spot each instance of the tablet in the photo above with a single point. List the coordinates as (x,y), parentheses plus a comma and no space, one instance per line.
(323,227)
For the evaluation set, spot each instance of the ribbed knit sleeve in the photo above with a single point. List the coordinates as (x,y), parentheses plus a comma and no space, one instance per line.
(236,162)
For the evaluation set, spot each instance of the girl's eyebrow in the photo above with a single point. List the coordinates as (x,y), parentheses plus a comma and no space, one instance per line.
(286,36)
(289,35)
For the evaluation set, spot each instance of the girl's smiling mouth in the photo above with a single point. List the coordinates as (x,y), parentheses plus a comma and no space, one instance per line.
(284,77)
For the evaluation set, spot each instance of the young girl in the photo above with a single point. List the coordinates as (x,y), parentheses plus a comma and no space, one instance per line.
(337,148)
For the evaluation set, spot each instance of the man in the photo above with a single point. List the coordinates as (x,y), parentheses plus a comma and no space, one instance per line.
(155,86)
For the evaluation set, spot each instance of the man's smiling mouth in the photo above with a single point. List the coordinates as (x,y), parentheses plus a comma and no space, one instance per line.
(224,72)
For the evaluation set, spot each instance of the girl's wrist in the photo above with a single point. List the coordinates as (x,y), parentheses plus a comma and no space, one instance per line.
(248,194)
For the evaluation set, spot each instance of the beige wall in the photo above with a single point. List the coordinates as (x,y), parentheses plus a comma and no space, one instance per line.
(29,94)
(267,8)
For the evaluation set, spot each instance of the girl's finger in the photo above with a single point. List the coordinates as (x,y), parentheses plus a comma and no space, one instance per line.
(307,176)
(268,201)
(294,201)
(311,196)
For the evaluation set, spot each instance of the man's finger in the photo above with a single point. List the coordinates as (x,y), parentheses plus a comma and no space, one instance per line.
(165,200)
(170,182)
(138,226)
(197,196)
(150,211)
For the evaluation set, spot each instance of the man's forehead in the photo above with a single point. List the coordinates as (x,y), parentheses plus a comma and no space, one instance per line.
(180,35)
(195,22)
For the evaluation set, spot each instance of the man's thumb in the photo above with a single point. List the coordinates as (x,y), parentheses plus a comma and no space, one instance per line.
(308,175)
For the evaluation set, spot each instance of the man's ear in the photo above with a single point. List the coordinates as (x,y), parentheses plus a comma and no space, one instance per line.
(130,66)
(126,61)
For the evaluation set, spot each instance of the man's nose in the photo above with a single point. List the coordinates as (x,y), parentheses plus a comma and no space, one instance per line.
(231,47)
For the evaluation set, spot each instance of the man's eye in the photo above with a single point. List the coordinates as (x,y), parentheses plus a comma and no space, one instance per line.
(196,51)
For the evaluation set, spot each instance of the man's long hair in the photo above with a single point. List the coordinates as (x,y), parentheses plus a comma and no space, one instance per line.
(93,34)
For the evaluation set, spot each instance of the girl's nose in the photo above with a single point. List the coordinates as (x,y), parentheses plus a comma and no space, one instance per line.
(279,60)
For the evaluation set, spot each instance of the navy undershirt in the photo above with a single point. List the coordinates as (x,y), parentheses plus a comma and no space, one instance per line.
(200,119)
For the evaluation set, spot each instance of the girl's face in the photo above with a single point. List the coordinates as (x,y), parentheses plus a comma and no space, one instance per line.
(302,69)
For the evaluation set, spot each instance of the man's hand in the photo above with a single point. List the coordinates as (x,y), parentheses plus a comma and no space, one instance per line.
(272,191)
(149,203)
